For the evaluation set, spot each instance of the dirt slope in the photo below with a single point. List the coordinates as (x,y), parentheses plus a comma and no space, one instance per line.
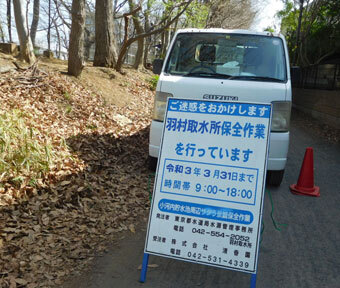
(97,185)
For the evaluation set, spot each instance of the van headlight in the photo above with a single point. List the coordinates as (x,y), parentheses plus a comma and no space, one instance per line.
(281,116)
(160,105)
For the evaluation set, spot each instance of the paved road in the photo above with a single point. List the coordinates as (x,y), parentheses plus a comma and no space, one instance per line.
(304,254)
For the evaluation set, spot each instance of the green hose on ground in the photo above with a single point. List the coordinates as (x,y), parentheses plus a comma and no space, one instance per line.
(278,226)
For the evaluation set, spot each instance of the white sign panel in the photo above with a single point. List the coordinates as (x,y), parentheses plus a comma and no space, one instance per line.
(208,193)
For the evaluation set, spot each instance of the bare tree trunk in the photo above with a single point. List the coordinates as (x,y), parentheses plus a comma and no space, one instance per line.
(146,52)
(105,53)
(2,34)
(26,47)
(76,47)
(58,51)
(140,42)
(121,55)
(164,40)
(147,29)
(139,53)
(35,20)
(125,46)
(87,44)
(165,44)
(49,27)
(9,20)
(127,42)
(174,30)
(298,31)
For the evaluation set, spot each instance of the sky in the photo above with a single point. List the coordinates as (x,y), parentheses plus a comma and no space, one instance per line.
(266,16)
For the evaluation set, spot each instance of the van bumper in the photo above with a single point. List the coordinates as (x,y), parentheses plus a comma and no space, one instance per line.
(278,146)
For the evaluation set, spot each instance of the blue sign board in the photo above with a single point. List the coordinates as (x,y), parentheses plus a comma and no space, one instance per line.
(208,194)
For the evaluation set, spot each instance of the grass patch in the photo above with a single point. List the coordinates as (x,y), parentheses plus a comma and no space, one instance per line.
(91,126)
(153,82)
(67,96)
(22,156)
(68,109)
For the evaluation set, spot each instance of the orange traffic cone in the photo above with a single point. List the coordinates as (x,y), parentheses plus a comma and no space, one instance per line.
(305,185)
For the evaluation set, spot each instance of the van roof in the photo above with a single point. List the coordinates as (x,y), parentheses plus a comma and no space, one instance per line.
(220,30)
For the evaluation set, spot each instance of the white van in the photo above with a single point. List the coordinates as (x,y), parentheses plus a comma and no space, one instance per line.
(228,65)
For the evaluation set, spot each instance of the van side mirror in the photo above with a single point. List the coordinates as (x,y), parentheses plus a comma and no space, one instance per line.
(157,65)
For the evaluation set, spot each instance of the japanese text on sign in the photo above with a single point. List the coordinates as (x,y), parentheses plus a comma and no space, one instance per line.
(208,191)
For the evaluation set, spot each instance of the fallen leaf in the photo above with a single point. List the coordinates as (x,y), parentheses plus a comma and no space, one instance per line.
(20,281)
(132,228)
(64,183)
(149,266)
(36,258)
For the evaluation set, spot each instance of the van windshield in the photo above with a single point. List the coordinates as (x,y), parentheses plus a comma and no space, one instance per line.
(228,56)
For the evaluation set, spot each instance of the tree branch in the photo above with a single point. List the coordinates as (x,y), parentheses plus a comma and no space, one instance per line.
(59,14)
(146,34)
(127,14)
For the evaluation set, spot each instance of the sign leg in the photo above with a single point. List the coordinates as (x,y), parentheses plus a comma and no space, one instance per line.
(253,281)
(144,268)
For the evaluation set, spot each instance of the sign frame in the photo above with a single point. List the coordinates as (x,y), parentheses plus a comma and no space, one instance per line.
(260,215)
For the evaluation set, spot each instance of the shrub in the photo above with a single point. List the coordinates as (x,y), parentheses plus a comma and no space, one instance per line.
(153,82)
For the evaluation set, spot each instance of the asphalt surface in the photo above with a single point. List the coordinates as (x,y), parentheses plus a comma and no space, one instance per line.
(305,253)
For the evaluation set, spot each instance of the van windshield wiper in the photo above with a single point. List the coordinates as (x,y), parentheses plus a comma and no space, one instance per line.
(256,78)
(208,74)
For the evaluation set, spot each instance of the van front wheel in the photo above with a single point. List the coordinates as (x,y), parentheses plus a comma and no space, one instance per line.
(274,177)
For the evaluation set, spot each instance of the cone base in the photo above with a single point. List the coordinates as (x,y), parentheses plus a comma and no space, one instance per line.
(315,191)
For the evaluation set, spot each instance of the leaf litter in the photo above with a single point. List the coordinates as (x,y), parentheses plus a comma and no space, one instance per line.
(54,223)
